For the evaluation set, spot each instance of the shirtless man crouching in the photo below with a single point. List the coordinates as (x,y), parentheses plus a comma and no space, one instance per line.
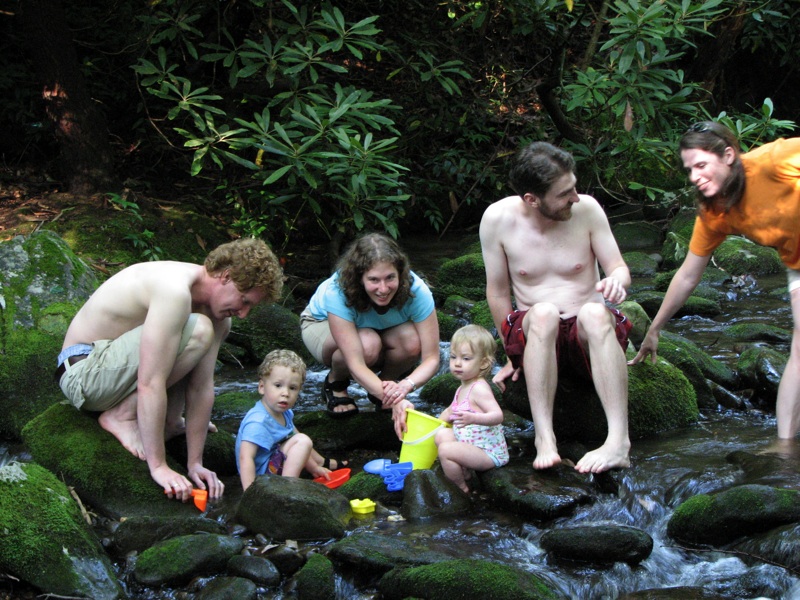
(144,346)
(543,246)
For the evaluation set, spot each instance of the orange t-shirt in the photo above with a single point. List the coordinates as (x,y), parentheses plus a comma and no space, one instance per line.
(769,211)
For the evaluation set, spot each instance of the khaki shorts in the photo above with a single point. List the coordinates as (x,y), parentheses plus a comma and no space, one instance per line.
(109,374)
(315,334)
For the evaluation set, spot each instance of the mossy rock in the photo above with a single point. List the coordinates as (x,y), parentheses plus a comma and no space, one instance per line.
(637,235)
(481,315)
(233,404)
(42,285)
(758,332)
(674,249)
(367,430)
(178,560)
(761,369)
(371,553)
(712,369)
(26,379)
(660,398)
(462,276)
(105,475)
(279,508)
(448,325)
(441,389)
(640,264)
(710,286)
(712,277)
(651,301)
(37,271)
(45,541)
(722,517)
(638,318)
(739,256)
(268,327)
(315,580)
(464,578)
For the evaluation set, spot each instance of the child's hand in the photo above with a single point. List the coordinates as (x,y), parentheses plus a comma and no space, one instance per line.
(463,417)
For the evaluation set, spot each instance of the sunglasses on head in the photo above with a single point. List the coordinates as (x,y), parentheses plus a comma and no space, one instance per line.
(700,127)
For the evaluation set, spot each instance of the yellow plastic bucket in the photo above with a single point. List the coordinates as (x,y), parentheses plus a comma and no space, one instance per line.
(419,447)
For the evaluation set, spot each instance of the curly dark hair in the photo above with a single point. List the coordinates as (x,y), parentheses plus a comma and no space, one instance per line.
(251,264)
(715,138)
(537,167)
(360,257)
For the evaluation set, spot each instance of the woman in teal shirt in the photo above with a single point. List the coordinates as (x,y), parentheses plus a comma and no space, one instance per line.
(373,320)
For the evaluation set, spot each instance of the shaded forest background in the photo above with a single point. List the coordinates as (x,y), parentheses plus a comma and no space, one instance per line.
(307,122)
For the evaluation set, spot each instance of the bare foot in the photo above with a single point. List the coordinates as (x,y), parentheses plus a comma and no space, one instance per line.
(783,448)
(604,458)
(126,431)
(546,457)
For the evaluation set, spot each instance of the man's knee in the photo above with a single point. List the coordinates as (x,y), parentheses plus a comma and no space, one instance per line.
(595,319)
(542,319)
(203,333)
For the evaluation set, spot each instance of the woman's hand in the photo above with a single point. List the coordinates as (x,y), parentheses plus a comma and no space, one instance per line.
(399,415)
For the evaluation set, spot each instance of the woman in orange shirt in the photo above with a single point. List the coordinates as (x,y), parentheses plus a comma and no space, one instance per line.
(756,195)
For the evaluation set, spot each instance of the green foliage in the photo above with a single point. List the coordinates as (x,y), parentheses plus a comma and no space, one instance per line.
(304,120)
(631,99)
(143,242)
(292,140)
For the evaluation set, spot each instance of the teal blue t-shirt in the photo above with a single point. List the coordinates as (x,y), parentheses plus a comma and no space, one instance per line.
(329,298)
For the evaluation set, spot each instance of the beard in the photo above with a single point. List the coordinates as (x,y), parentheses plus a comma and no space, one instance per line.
(564,214)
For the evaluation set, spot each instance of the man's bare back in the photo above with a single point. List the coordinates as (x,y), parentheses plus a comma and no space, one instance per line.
(144,346)
(122,302)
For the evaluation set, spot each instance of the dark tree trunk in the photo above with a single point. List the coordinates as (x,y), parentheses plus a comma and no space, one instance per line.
(716,52)
(85,163)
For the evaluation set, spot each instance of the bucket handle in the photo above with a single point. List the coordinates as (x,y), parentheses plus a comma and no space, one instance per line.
(428,435)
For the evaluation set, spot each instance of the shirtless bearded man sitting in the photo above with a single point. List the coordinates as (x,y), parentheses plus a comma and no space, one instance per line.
(543,246)
(143,348)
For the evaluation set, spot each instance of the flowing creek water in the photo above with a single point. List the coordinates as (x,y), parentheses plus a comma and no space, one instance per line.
(649,490)
(646,496)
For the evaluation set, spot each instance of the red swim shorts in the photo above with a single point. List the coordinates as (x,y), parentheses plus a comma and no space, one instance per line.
(569,352)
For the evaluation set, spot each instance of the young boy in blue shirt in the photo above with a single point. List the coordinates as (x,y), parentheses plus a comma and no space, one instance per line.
(267,440)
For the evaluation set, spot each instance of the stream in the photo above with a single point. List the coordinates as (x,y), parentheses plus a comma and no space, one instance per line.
(648,491)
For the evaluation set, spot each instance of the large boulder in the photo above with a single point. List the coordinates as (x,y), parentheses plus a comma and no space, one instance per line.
(116,483)
(42,285)
(45,541)
(660,398)
(178,560)
(541,495)
(268,327)
(278,507)
(598,543)
(719,518)
(464,578)
(463,276)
